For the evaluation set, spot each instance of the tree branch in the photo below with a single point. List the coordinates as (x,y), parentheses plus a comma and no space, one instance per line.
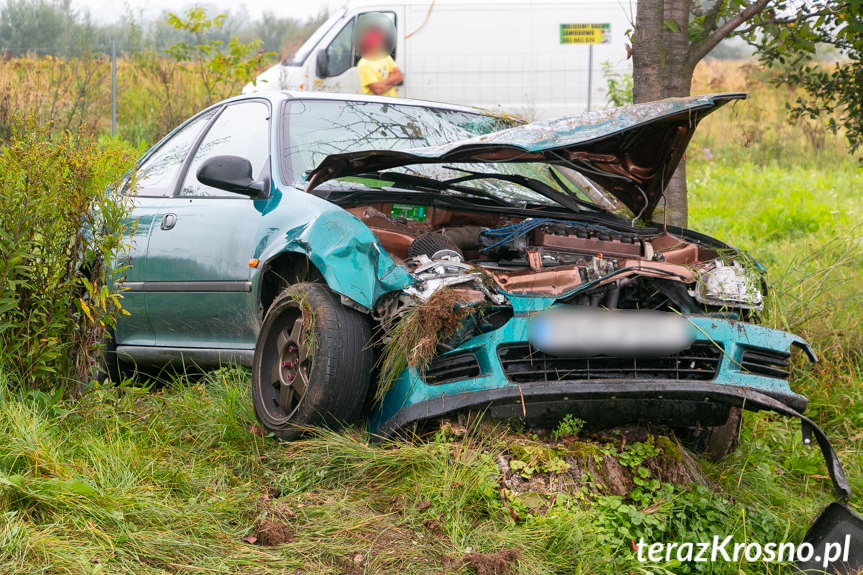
(697,9)
(796,19)
(701,49)
(711,17)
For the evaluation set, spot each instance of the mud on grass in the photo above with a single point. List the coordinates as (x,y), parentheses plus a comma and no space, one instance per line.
(501,563)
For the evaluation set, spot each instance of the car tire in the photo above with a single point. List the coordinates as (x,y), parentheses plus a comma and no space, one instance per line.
(717,441)
(312,362)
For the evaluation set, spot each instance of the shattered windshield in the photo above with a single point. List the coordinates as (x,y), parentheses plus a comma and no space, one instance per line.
(314,129)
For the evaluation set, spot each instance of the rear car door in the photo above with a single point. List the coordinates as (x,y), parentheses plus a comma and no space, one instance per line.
(199,292)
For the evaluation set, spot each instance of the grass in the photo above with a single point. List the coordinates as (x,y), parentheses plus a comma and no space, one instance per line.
(804,224)
(135,481)
(154,94)
(179,479)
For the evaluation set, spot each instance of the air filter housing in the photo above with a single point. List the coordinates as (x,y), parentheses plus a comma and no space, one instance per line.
(431,243)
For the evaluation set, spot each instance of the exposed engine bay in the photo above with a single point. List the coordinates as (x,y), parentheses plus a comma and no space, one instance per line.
(613,266)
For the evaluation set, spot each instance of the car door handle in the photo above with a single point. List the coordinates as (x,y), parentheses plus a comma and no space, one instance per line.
(169,221)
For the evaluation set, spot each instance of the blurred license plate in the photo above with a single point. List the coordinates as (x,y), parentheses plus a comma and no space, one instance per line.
(587,332)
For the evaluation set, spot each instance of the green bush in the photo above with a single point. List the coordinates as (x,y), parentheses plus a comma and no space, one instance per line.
(58,224)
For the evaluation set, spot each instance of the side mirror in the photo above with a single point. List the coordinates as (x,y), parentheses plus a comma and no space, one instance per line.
(230,173)
(322,62)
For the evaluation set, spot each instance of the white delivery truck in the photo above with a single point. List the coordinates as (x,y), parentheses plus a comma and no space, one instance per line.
(534,58)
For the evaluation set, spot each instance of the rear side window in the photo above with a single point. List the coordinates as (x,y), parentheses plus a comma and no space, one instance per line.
(243,129)
(157,175)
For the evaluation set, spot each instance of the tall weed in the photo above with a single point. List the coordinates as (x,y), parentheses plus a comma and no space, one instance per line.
(58,224)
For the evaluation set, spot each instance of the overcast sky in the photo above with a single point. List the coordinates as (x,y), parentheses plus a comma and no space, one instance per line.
(112,10)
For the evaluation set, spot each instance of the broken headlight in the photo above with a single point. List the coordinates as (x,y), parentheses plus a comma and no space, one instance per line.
(729,285)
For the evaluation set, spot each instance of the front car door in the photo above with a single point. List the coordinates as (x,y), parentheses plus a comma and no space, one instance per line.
(155,179)
(199,289)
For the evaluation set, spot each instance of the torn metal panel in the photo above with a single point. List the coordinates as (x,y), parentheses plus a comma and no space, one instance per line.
(348,255)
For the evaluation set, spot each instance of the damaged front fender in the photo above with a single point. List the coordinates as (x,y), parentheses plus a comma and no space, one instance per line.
(346,253)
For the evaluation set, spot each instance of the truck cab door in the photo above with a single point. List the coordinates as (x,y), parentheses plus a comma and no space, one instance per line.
(335,64)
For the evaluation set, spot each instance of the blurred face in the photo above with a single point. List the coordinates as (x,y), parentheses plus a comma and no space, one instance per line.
(373,43)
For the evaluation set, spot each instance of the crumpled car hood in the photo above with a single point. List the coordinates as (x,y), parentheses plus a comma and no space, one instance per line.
(630,151)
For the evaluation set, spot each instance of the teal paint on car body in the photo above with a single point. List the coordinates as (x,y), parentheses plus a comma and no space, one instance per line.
(528,305)
(135,327)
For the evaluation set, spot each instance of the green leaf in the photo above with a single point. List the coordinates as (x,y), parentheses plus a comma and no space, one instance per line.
(672,25)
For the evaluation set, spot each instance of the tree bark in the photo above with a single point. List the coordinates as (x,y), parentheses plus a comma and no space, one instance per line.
(661,69)
(664,59)
(677,81)
(647,53)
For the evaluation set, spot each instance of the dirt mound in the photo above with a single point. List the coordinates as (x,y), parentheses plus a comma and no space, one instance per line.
(500,563)
(272,523)
(269,532)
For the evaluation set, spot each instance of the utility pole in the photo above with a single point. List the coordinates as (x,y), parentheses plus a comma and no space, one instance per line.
(113,88)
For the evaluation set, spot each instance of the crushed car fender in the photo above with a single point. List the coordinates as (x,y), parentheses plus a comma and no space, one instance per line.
(348,255)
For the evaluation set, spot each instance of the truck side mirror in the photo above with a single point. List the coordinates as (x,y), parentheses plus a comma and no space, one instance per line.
(322,61)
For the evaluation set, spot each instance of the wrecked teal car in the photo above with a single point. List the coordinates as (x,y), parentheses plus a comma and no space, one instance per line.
(294,233)
(399,261)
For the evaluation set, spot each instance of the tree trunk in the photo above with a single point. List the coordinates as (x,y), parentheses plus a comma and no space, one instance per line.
(663,61)
(661,69)
(647,52)
(677,82)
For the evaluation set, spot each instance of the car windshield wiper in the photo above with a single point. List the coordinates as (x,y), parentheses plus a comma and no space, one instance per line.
(567,200)
(426,183)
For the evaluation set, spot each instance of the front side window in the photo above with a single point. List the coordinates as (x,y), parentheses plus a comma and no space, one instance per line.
(157,175)
(243,129)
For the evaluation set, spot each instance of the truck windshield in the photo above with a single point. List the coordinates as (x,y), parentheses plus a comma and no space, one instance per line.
(314,129)
(299,58)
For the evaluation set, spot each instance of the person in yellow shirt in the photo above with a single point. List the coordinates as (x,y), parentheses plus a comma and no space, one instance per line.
(377,69)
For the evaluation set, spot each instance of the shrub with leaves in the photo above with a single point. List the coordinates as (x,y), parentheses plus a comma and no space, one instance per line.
(618,85)
(58,225)
(223,68)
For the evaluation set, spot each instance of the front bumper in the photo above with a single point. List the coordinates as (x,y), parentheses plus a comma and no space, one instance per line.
(607,401)
(542,394)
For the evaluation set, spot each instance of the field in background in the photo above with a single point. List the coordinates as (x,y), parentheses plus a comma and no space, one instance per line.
(757,130)
(179,479)
(154,94)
